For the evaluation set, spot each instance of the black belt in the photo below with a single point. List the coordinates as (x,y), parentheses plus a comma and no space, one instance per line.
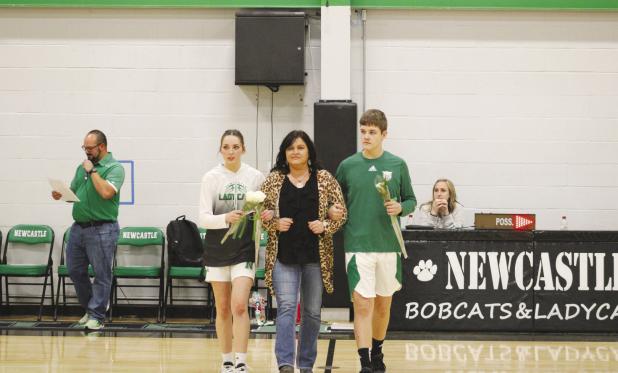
(94,223)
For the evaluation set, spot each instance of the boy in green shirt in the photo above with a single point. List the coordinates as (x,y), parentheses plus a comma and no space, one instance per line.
(372,251)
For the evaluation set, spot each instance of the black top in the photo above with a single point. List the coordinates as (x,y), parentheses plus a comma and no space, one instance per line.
(299,245)
(233,251)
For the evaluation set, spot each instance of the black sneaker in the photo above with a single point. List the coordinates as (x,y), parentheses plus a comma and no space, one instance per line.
(366,370)
(377,363)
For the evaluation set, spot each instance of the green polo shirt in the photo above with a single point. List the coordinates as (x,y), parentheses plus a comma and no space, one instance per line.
(369,227)
(92,206)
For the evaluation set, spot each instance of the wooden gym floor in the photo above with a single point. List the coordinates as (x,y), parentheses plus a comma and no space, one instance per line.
(30,350)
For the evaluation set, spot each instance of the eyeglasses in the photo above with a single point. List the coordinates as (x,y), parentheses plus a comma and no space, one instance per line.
(90,148)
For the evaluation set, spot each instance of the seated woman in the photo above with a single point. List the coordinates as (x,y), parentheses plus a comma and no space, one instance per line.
(442,211)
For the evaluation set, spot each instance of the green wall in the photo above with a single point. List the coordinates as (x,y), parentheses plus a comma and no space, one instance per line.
(368,4)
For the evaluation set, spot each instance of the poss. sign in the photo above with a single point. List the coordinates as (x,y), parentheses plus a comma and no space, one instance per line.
(519,222)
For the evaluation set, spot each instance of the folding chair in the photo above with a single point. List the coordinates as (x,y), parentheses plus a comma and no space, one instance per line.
(187,273)
(22,258)
(139,256)
(63,275)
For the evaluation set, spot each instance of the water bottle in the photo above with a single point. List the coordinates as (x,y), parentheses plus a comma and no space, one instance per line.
(258,317)
(564,225)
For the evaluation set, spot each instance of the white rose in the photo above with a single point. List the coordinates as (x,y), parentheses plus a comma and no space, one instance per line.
(387,175)
(255,197)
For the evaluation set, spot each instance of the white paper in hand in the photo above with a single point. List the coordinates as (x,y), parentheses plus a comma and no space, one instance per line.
(62,188)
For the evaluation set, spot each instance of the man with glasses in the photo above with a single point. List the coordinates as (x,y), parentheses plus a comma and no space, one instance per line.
(94,234)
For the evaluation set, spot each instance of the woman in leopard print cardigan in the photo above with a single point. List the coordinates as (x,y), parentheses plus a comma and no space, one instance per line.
(299,253)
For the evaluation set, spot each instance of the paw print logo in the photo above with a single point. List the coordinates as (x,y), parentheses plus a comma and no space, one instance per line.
(425,270)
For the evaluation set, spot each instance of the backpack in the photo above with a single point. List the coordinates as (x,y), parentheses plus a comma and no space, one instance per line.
(184,244)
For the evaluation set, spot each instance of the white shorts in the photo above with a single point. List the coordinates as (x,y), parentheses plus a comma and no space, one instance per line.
(229,273)
(371,274)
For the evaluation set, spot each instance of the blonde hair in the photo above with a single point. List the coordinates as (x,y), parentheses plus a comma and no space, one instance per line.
(452,194)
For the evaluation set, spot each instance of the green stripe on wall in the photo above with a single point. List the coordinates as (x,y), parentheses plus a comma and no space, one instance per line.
(163,3)
(368,4)
(489,4)
(336,2)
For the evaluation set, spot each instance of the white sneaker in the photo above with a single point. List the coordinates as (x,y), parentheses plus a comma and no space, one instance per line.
(227,367)
(94,324)
(83,320)
(242,368)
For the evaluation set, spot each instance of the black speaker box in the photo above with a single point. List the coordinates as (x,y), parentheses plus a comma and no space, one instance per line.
(270,48)
(335,132)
